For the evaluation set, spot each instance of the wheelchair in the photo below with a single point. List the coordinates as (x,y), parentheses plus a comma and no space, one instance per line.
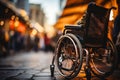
(87,44)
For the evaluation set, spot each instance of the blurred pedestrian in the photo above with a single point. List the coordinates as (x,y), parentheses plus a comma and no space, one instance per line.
(4,39)
(36,42)
(48,45)
(2,50)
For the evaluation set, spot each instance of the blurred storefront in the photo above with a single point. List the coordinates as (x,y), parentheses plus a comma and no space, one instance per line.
(74,10)
(16,18)
(14,24)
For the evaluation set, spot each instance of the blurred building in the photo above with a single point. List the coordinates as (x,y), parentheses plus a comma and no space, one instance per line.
(10,12)
(74,10)
(62,4)
(37,14)
(14,21)
(24,4)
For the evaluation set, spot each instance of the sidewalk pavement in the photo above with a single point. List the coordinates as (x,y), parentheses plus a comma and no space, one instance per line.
(35,66)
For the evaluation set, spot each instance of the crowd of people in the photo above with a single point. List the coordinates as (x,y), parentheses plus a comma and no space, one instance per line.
(13,41)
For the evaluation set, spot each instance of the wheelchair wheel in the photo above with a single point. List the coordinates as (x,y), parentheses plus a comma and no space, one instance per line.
(104,60)
(69,56)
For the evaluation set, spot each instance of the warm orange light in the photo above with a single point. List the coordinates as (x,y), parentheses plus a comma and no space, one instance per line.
(12,17)
(21,28)
(16,24)
(1,23)
(33,33)
(11,24)
(75,10)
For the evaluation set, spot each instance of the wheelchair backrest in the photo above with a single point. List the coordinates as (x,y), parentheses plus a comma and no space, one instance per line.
(118,40)
(96,25)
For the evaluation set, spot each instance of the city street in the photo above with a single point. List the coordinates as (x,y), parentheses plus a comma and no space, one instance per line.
(30,30)
(35,66)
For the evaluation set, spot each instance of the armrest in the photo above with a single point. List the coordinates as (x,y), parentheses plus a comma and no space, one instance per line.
(73,26)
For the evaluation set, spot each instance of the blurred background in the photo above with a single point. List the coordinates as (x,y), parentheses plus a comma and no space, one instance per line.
(37,24)
(29,30)
(28,25)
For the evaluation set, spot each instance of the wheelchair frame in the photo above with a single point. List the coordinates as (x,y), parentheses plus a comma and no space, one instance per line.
(83,40)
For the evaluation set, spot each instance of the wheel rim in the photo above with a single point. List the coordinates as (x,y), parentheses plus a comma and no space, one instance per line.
(103,60)
(67,55)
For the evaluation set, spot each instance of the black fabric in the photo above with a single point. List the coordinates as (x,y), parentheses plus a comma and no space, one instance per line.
(116,29)
(96,25)
(93,28)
